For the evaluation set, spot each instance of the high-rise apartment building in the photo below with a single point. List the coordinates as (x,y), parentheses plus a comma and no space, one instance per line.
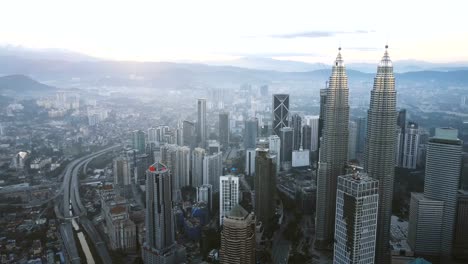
(121,171)
(201,122)
(228,194)
(198,155)
(189,134)
(212,169)
(280,112)
(333,152)
(380,149)
(265,186)
(296,125)
(357,201)
(182,167)
(160,245)
(238,237)
(224,130)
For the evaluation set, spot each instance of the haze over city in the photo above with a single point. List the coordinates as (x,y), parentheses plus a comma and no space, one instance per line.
(243,132)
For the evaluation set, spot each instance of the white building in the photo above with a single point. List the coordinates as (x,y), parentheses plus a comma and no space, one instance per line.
(212,169)
(228,194)
(357,201)
(250,162)
(275,149)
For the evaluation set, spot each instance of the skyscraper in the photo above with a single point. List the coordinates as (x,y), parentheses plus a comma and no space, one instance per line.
(138,141)
(205,194)
(361,138)
(313,122)
(357,202)
(280,112)
(224,129)
(198,155)
(250,162)
(333,152)
(183,167)
(352,142)
(121,171)
(400,143)
(152,135)
(250,133)
(228,194)
(159,245)
(296,124)
(265,186)
(201,122)
(188,134)
(411,146)
(212,169)
(238,237)
(380,149)
(286,136)
(275,149)
(441,183)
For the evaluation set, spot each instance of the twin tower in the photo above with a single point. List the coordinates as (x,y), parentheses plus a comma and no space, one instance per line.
(378,164)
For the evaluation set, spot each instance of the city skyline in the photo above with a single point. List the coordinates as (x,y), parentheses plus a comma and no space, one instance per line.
(158,31)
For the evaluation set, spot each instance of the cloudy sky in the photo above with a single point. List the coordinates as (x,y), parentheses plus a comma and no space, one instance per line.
(199,30)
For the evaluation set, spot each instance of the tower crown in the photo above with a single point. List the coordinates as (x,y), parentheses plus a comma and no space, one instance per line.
(386,62)
(339,60)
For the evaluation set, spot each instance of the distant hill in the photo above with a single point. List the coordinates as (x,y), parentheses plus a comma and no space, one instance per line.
(20,85)
(43,54)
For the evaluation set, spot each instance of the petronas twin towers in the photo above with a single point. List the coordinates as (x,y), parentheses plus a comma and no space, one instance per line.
(380,148)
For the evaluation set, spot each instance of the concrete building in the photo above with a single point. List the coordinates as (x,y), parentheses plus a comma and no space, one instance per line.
(122,171)
(250,162)
(169,159)
(228,194)
(361,138)
(333,152)
(286,137)
(205,194)
(280,112)
(201,123)
(275,149)
(189,134)
(238,237)
(198,155)
(138,141)
(224,130)
(357,201)
(460,241)
(250,133)
(212,169)
(182,172)
(160,245)
(379,161)
(352,141)
(265,186)
(411,146)
(296,125)
(444,157)
(300,158)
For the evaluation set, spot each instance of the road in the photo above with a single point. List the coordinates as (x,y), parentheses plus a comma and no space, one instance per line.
(72,207)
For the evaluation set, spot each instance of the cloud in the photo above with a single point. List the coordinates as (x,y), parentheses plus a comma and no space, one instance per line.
(273,54)
(320,34)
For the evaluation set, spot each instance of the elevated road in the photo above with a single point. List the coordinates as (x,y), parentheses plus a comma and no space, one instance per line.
(72,207)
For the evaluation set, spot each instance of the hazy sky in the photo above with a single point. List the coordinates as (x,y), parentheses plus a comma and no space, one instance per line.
(198,30)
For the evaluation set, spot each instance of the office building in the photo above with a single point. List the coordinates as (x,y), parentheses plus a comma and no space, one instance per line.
(361,138)
(352,141)
(228,194)
(250,162)
(286,139)
(411,146)
(201,123)
(333,152)
(198,155)
(380,149)
(189,134)
(280,112)
(400,142)
(169,159)
(460,241)
(224,130)
(306,137)
(296,125)
(250,133)
(357,201)
(138,141)
(212,169)
(160,245)
(238,237)
(300,158)
(152,135)
(275,149)
(265,186)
